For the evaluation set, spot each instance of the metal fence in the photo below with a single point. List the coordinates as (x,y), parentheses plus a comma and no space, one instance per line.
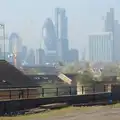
(39,92)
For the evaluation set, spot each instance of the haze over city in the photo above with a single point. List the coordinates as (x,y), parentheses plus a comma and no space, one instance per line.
(26,17)
(59,53)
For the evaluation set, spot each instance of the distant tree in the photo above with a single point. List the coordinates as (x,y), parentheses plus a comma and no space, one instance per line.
(70,68)
(86,77)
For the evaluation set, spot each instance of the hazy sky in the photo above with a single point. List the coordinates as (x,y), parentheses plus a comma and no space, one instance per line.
(26,17)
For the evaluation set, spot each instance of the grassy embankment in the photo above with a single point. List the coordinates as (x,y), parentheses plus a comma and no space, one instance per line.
(59,112)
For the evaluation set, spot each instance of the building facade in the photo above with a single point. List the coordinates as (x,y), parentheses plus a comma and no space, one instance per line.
(49,36)
(112,25)
(15,47)
(31,57)
(101,47)
(40,57)
(73,55)
(61,27)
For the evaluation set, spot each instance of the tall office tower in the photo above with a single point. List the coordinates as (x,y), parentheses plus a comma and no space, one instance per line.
(110,27)
(24,53)
(15,47)
(73,55)
(31,58)
(37,57)
(109,21)
(101,47)
(49,36)
(50,40)
(40,57)
(116,41)
(61,27)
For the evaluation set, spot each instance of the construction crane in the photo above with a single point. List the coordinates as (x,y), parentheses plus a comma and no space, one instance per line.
(15,56)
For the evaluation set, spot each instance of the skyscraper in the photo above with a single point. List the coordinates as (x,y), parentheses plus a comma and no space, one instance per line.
(15,43)
(24,53)
(50,41)
(15,46)
(116,41)
(49,36)
(100,47)
(110,27)
(61,27)
(40,57)
(109,21)
(31,58)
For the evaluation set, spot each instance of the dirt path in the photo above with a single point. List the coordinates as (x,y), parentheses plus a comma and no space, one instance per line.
(98,114)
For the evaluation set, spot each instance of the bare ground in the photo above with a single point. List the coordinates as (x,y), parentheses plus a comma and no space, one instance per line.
(75,113)
(97,114)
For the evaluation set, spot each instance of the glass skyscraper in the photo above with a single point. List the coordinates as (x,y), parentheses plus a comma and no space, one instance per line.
(61,27)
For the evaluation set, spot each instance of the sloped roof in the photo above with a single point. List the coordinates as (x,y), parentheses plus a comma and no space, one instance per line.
(12,77)
(40,69)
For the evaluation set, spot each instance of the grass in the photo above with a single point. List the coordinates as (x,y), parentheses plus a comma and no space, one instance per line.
(59,112)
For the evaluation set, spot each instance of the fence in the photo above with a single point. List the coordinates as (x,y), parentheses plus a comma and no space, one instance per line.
(37,92)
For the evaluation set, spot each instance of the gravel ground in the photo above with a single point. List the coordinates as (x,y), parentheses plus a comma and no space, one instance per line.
(97,114)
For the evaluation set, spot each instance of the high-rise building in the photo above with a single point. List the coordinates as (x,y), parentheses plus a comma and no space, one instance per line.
(15,43)
(31,58)
(73,55)
(112,25)
(50,41)
(51,57)
(61,27)
(109,21)
(116,41)
(15,46)
(24,53)
(101,47)
(40,57)
(49,36)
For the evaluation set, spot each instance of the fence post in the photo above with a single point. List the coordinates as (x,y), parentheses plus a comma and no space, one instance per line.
(70,92)
(57,91)
(10,94)
(82,90)
(42,92)
(94,89)
(27,92)
(104,88)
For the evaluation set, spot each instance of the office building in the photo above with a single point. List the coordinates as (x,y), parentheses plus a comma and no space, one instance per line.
(50,41)
(40,57)
(101,47)
(49,36)
(51,57)
(61,27)
(112,25)
(30,58)
(73,55)
(24,53)
(109,21)
(15,47)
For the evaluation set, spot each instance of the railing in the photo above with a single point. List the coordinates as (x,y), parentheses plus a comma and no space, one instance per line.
(39,92)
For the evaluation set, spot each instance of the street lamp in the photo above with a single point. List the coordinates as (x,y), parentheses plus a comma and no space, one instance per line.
(2,26)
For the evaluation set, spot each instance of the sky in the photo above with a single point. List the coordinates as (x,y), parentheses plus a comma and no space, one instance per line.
(26,18)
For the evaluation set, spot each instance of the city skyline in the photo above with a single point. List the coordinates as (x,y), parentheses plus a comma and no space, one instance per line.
(26,18)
